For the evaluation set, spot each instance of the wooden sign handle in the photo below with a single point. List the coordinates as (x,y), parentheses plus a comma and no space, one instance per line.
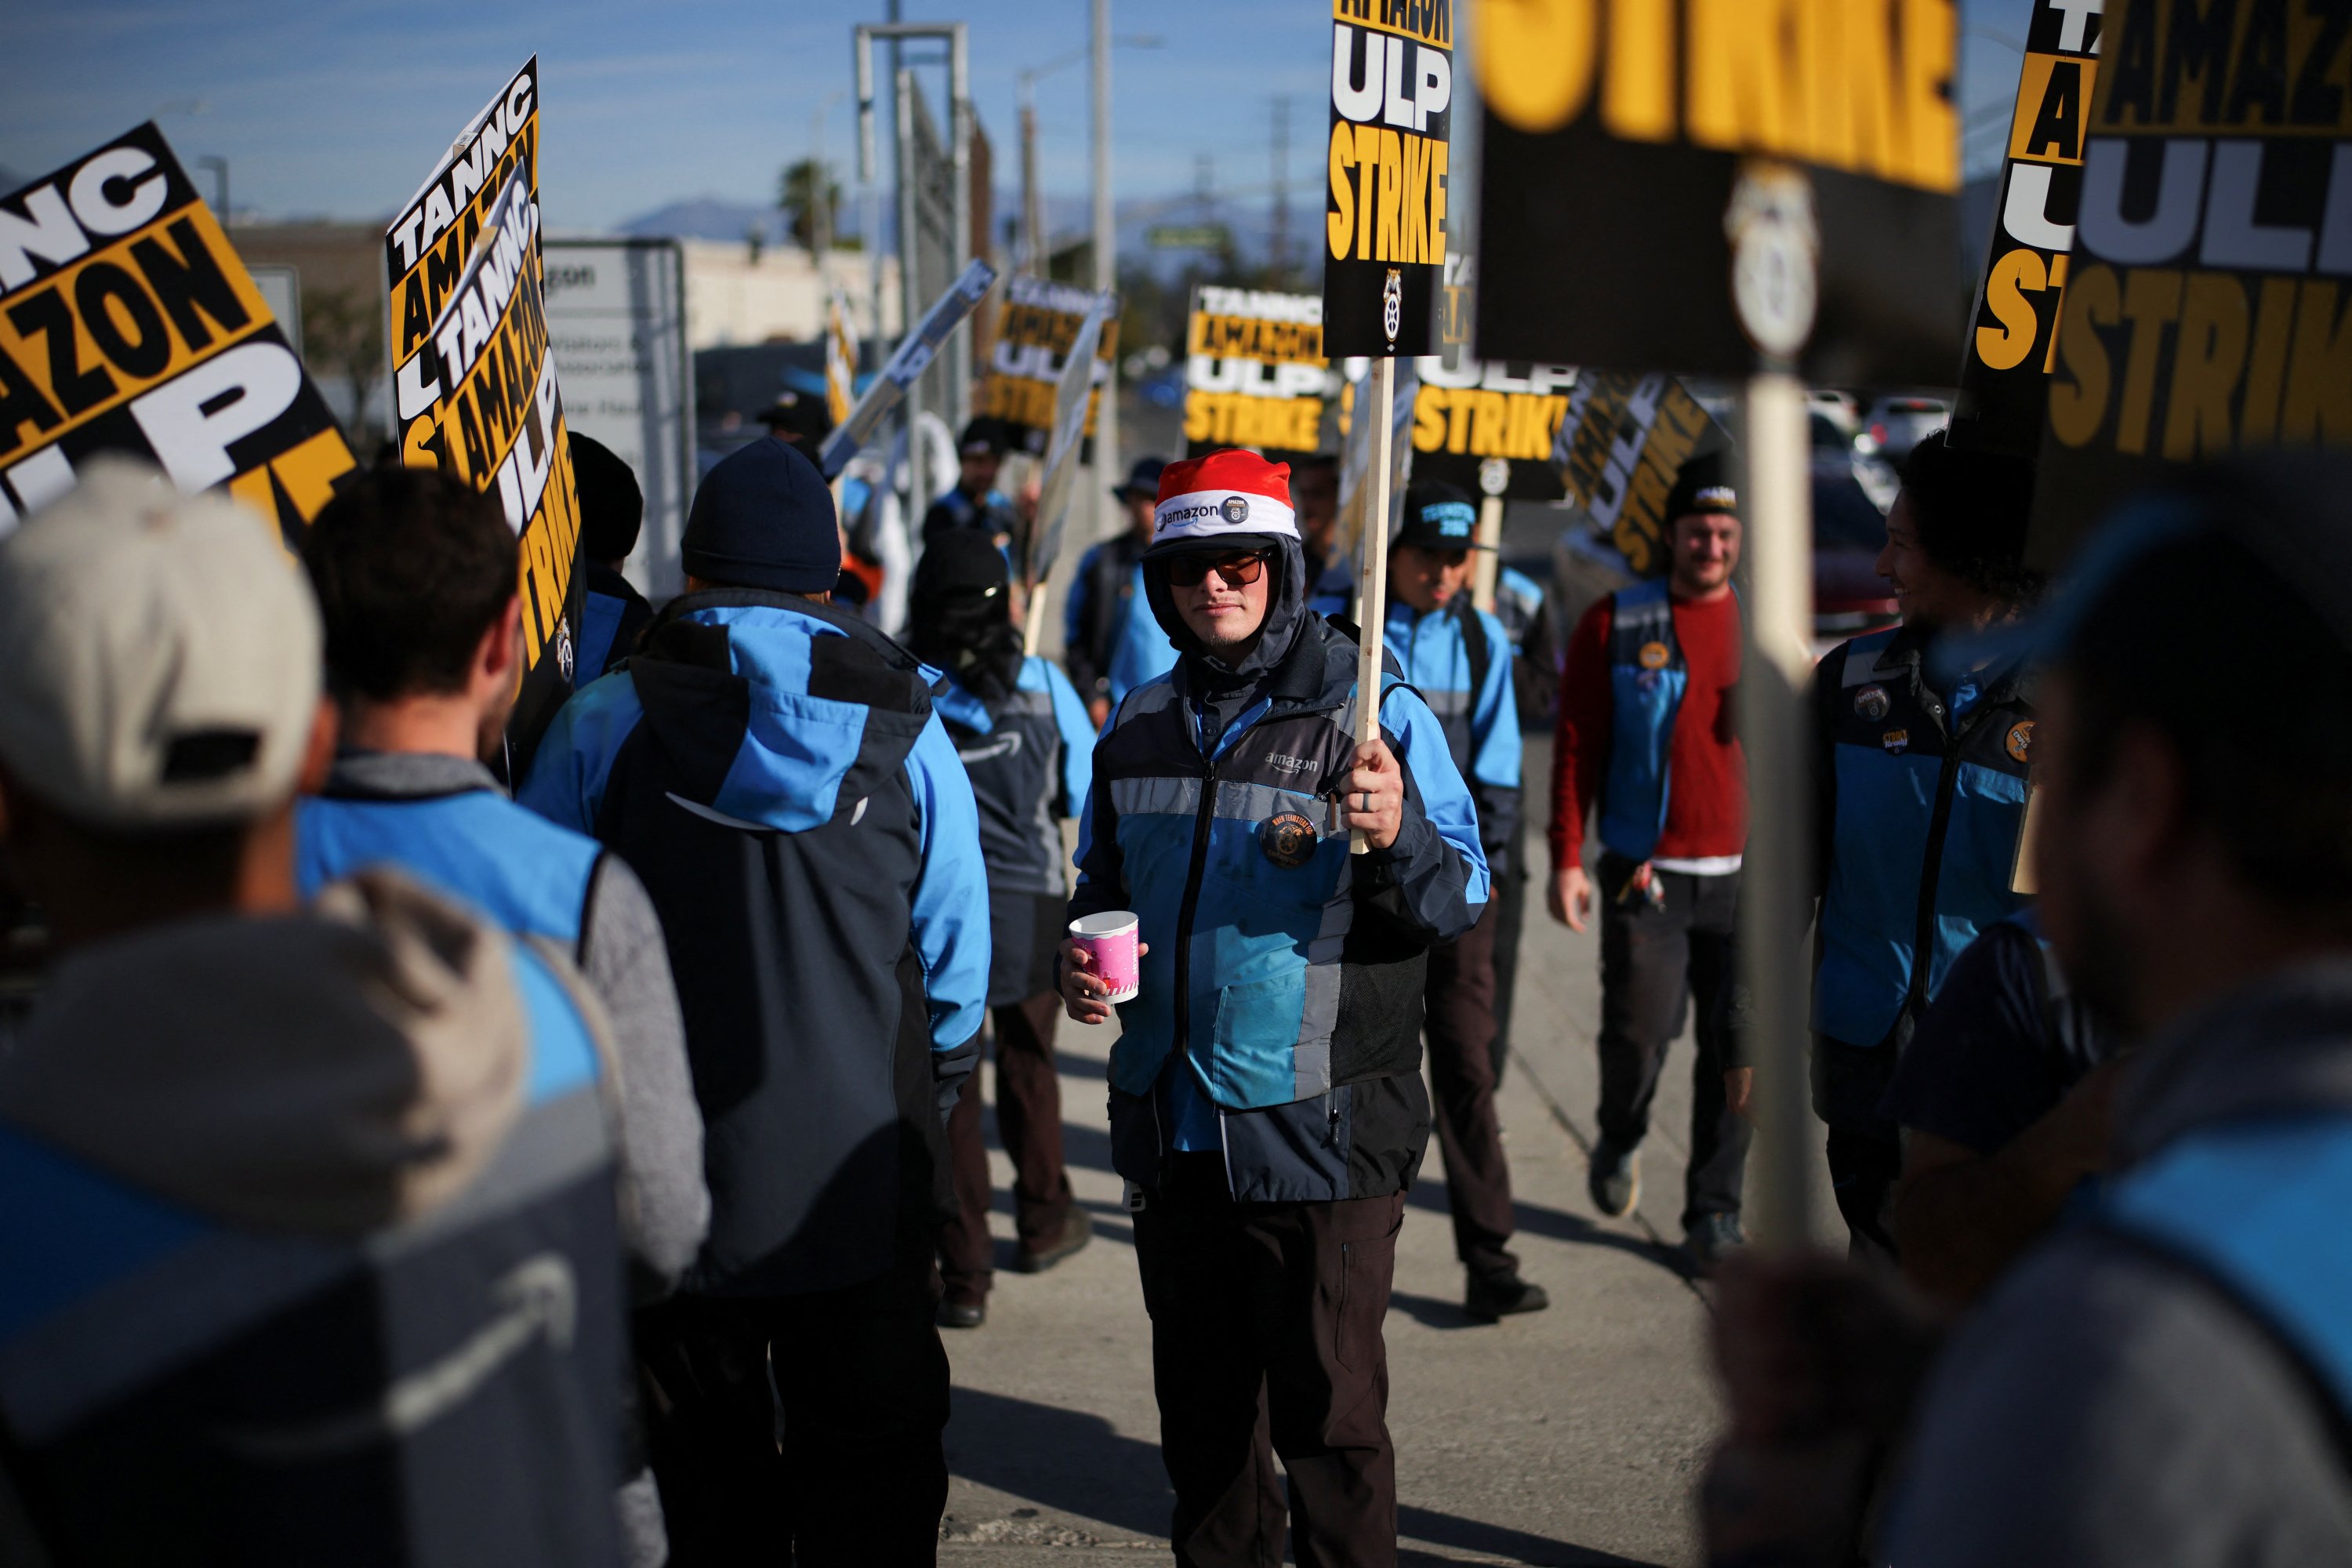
(1372,580)
(1033,624)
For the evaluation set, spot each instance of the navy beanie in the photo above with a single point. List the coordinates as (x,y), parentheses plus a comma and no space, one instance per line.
(612,506)
(763,519)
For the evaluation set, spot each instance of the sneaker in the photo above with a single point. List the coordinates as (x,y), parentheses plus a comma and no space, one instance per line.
(1077,1230)
(1501,1296)
(1714,1237)
(1614,1179)
(963,1314)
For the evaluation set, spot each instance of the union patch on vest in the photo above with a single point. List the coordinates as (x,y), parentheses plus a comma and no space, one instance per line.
(1288,838)
(2021,740)
(1654,656)
(1895,740)
(1871,702)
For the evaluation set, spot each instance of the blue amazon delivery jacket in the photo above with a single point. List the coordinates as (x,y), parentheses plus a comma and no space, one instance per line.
(798,816)
(1279,1017)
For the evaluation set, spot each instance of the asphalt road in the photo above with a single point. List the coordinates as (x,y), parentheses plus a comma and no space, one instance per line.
(1570,1436)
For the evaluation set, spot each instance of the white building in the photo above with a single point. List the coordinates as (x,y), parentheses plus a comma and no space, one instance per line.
(733,298)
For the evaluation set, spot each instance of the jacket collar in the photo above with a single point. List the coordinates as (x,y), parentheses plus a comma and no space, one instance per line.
(2280,1044)
(404,775)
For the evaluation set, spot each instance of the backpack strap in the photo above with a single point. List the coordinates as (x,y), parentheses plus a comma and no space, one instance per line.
(1474,641)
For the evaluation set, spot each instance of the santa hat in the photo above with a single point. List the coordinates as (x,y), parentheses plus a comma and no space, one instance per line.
(1226,501)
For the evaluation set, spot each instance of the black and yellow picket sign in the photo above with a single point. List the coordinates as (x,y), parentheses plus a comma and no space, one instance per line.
(2013,339)
(1254,371)
(2209,302)
(1621,446)
(1617,132)
(1487,428)
(473,384)
(1033,332)
(1385,203)
(128,324)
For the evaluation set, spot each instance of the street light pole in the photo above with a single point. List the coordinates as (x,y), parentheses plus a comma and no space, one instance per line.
(1105,271)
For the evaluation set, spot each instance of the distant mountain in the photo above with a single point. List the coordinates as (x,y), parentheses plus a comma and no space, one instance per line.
(705,217)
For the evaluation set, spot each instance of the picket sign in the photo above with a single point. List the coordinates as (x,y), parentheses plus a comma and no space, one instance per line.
(1372,580)
(1073,401)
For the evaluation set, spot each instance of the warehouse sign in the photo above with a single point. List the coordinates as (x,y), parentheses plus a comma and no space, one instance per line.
(1385,203)
(2012,341)
(128,324)
(2207,304)
(1035,331)
(1254,371)
(1639,155)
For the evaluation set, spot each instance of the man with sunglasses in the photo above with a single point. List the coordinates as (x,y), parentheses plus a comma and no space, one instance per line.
(1266,1104)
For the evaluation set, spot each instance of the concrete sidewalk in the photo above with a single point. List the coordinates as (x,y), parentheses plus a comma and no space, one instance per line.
(1570,1436)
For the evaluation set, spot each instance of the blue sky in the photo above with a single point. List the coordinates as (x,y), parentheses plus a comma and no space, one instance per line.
(337,108)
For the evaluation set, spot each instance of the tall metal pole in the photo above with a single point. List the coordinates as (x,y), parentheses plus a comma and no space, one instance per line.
(910,300)
(1033,218)
(960,122)
(1106,275)
(870,176)
(1280,248)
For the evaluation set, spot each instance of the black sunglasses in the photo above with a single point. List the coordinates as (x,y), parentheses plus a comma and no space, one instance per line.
(1192,571)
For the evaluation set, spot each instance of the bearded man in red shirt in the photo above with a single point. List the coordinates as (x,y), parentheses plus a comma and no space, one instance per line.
(1647,735)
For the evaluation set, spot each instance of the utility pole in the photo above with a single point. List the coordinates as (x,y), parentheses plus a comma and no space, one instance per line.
(1106,273)
(1278,247)
(1033,215)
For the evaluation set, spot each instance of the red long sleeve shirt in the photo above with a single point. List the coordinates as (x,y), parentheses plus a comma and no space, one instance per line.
(1707,795)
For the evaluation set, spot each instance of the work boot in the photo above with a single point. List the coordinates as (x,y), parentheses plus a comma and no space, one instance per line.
(1078,1230)
(1712,1239)
(1614,1179)
(954,1314)
(1493,1296)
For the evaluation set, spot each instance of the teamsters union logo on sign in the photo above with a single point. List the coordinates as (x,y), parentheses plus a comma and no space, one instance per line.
(1392,303)
(1235,509)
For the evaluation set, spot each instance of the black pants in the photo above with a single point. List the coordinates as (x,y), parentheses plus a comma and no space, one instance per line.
(1653,962)
(1266,1339)
(1508,909)
(1866,1148)
(1459,1020)
(1029,1120)
(842,1464)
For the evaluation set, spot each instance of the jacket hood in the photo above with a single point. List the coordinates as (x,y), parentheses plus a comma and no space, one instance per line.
(334,1072)
(769,702)
(2282,1044)
(1285,613)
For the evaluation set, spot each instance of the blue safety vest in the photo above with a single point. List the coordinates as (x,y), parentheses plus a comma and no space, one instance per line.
(520,870)
(2250,1205)
(600,623)
(177,1387)
(1924,845)
(1647,681)
(1140,652)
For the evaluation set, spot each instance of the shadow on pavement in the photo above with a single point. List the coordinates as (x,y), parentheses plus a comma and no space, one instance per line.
(1498,1541)
(1075,1463)
(1534,1219)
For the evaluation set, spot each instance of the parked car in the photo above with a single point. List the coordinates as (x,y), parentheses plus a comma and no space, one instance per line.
(1894,424)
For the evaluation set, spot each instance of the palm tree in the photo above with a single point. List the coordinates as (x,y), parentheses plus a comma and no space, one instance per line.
(810,201)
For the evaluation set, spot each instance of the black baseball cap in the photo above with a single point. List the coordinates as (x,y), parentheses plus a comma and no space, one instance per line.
(1143,479)
(1439,516)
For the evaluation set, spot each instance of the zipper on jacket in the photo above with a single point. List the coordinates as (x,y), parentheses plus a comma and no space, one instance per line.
(1931,870)
(1189,905)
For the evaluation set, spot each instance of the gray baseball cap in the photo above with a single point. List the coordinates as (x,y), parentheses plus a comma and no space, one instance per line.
(159,656)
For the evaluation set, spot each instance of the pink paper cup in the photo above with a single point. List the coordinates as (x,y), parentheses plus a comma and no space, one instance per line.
(1110,935)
